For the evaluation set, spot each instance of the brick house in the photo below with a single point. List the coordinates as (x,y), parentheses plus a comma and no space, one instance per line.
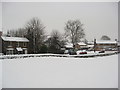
(80,45)
(77,46)
(106,45)
(14,45)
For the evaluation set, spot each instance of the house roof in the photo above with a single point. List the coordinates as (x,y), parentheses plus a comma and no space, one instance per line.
(69,45)
(90,42)
(19,49)
(15,39)
(81,43)
(106,42)
(90,45)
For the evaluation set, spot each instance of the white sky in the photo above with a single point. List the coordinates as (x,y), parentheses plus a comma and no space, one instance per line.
(0,16)
(60,0)
(98,18)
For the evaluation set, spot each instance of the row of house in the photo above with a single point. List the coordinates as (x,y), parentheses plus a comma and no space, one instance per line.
(106,45)
(19,45)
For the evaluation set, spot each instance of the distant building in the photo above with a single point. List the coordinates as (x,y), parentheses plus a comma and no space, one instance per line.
(106,45)
(80,45)
(14,45)
(69,46)
(119,47)
(77,46)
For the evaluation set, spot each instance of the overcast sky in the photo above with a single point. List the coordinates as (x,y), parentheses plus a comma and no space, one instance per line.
(0,16)
(98,18)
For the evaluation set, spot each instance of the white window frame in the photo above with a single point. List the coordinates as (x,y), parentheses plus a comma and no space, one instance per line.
(17,44)
(9,52)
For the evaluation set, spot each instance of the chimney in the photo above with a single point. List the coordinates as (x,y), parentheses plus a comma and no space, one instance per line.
(0,33)
(116,40)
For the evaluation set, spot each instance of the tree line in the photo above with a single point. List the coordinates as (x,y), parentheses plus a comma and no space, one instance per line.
(40,42)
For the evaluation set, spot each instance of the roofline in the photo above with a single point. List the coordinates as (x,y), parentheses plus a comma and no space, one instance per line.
(14,40)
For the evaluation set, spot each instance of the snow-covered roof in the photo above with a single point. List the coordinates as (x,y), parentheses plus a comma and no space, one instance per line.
(69,45)
(19,49)
(10,48)
(15,39)
(106,42)
(47,37)
(90,45)
(81,43)
(90,42)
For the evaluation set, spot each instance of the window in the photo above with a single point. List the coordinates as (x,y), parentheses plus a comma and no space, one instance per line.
(24,44)
(9,43)
(9,52)
(17,44)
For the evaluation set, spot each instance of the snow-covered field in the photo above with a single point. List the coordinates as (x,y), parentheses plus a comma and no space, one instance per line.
(61,72)
(0,74)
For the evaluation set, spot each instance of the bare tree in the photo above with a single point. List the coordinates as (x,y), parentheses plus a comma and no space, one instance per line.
(74,31)
(34,31)
(10,33)
(20,32)
(105,37)
(35,34)
(55,42)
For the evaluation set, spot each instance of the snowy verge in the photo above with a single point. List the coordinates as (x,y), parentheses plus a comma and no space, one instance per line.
(61,72)
(0,74)
(57,55)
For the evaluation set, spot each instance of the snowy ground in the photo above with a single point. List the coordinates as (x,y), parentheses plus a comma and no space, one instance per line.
(0,74)
(88,55)
(61,72)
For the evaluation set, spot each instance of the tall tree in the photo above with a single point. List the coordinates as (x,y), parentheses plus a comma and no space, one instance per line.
(10,33)
(20,32)
(55,42)
(74,31)
(35,34)
(105,37)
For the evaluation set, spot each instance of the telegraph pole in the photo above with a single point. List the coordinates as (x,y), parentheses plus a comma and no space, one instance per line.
(94,45)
